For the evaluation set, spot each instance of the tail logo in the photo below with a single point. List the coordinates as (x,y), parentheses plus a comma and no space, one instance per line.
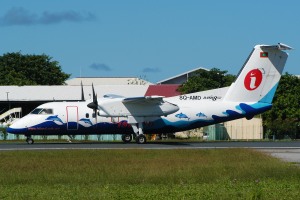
(253,79)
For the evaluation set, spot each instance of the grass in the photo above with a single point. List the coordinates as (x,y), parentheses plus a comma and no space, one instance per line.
(146,174)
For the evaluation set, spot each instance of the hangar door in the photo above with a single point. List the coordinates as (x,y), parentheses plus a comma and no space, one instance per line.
(72,117)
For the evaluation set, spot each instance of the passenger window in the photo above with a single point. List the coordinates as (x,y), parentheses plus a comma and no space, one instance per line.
(87,115)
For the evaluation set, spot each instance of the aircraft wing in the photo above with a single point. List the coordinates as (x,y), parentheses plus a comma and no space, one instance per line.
(144,100)
(144,106)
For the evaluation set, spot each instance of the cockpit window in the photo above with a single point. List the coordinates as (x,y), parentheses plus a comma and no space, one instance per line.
(46,111)
(42,111)
(36,111)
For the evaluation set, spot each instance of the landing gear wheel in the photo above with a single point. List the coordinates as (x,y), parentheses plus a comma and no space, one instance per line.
(141,139)
(29,141)
(127,138)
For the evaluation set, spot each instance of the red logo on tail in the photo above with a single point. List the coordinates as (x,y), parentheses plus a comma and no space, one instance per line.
(253,79)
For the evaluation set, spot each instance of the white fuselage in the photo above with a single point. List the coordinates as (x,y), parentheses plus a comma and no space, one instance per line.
(251,93)
(192,111)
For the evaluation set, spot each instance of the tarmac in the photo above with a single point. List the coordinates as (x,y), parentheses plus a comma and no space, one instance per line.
(286,151)
(287,155)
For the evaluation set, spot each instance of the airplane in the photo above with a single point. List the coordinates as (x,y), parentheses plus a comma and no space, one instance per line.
(250,94)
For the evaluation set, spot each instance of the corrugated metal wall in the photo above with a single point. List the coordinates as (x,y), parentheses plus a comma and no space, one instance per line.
(241,129)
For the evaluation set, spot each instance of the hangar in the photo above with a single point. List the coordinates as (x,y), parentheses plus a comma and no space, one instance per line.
(29,97)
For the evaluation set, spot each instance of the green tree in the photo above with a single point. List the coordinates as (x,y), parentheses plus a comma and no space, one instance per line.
(204,80)
(3,132)
(18,69)
(284,117)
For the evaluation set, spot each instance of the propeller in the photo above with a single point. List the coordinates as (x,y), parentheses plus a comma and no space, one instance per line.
(82,93)
(94,104)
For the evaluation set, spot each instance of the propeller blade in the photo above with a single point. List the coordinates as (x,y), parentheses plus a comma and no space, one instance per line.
(96,101)
(94,95)
(96,108)
(94,104)
(95,113)
(82,93)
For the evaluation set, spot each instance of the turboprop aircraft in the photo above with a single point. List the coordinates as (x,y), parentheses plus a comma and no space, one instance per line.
(251,94)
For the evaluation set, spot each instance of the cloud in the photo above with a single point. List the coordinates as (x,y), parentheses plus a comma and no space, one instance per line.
(100,67)
(21,16)
(151,70)
(18,16)
(71,16)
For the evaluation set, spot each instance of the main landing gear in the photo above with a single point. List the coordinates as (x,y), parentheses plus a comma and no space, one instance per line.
(138,130)
(140,137)
(29,140)
(127,138)
(137,126)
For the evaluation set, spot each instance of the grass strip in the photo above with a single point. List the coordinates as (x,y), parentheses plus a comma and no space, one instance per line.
(146,174)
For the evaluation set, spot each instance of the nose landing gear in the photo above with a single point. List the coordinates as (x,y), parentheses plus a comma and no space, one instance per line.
(29,140)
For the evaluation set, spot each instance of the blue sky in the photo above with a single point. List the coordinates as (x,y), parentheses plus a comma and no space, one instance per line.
(153,39)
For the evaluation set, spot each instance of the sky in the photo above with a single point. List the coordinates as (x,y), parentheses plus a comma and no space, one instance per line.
(154,39)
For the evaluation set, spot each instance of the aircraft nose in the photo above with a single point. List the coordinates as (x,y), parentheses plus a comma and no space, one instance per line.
(10,129)
(14,128)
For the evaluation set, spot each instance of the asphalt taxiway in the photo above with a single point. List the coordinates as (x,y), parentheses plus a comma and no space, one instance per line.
(151,145)
(287,151)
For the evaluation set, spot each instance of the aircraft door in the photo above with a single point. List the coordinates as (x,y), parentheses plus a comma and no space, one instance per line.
(72,118)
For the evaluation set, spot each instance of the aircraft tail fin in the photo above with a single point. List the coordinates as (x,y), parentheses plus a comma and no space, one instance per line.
(259,77)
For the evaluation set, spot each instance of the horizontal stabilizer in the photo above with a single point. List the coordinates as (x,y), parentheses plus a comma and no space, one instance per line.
(279,46)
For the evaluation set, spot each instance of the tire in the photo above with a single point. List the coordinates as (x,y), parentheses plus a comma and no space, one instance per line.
(29,140)
(127,138)
(141,139)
